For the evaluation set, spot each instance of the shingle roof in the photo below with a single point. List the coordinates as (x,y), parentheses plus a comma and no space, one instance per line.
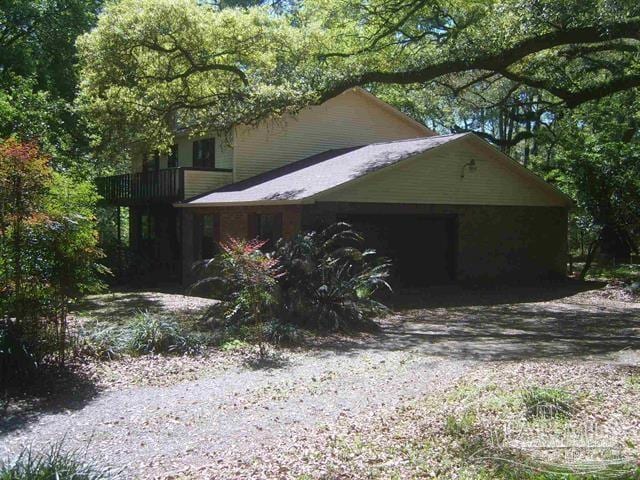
(308,177)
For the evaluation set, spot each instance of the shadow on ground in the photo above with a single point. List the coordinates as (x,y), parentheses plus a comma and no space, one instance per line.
(505,323)
(117,307)
(55,390)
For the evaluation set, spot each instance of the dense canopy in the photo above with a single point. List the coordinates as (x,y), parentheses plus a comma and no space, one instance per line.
(163,64)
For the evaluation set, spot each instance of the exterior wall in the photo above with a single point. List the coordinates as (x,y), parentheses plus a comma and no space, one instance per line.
(435,178)
(493,242)
(201,181)
(224,153)
(234,223)
(347,120)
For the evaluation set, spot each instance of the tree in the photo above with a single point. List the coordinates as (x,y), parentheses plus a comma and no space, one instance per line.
(152,66)
(25,176)
(38,42)
(48,255)
(155,65)
(597,150)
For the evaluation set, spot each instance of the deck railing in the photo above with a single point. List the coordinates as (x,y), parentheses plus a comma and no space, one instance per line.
(159,185)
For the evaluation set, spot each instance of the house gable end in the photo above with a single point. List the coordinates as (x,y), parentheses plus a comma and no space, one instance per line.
(442,176)
(351,119)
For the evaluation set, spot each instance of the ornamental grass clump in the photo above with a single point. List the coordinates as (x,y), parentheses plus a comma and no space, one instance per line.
(55,464)
(547,403)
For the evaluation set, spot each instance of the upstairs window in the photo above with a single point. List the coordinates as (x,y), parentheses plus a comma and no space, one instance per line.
(204,155)
(172,158)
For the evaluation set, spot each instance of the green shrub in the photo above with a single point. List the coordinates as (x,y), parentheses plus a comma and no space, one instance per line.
(52,465)
(320,280)
(329,281)
(153,334)
(280,333)
(547,403)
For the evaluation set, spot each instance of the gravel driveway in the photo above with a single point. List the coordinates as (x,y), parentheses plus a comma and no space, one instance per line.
(232,417)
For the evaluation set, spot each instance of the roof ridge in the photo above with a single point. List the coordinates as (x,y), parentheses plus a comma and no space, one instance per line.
(416,138)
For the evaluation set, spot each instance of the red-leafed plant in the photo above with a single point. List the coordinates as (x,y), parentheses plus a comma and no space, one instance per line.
(48,256)
(245,278)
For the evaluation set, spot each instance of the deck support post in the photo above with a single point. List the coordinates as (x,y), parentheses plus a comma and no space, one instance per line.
(186,246)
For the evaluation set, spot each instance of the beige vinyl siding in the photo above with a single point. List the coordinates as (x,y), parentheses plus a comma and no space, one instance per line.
(434,178)
(201,181)
(350,119)
(224,151)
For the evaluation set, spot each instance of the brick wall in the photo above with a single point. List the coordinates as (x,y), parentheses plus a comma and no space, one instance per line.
(234,223)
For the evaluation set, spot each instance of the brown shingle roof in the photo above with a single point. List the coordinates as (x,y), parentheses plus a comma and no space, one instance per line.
(313,175)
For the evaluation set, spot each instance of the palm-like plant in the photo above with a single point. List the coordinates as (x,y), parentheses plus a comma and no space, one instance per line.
(329,280)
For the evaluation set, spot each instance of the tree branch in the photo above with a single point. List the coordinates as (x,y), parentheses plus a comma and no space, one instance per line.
(494,61)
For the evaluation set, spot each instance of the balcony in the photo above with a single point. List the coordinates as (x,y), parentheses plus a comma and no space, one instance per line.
(161,186)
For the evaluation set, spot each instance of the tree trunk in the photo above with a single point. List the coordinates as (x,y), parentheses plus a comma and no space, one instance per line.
(591,255)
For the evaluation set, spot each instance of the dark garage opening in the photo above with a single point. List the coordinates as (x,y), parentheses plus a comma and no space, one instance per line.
(422,248)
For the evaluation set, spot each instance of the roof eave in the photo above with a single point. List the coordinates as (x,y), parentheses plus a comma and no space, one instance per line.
(243,203)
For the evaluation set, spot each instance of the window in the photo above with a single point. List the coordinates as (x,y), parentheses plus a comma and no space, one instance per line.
(204,153)
(267,227)
(147,227)
(172,158)
(207,229)
(150,162)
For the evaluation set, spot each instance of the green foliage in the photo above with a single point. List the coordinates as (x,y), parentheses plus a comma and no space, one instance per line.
(246,279)
(234,344)
(328,281)
(153,334)
(461,427)
(145,334)
(55,464)
(38,78)
(38,41)
(547,403)
(621,273)
(319,280)
(598,155)
(153,64)
(280,333)
(160,63)
(525,469)
(35,115)
(48,256)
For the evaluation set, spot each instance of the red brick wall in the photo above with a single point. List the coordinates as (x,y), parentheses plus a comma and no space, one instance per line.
(234,221)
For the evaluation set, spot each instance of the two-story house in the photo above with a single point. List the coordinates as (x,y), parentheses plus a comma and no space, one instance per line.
(443,207)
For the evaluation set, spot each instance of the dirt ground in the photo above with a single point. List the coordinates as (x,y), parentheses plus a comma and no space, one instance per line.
(350,407)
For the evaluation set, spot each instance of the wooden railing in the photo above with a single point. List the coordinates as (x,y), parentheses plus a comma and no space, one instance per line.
(160,186)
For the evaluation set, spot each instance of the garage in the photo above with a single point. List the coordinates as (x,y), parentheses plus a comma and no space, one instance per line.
(422,248)
(443,209)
